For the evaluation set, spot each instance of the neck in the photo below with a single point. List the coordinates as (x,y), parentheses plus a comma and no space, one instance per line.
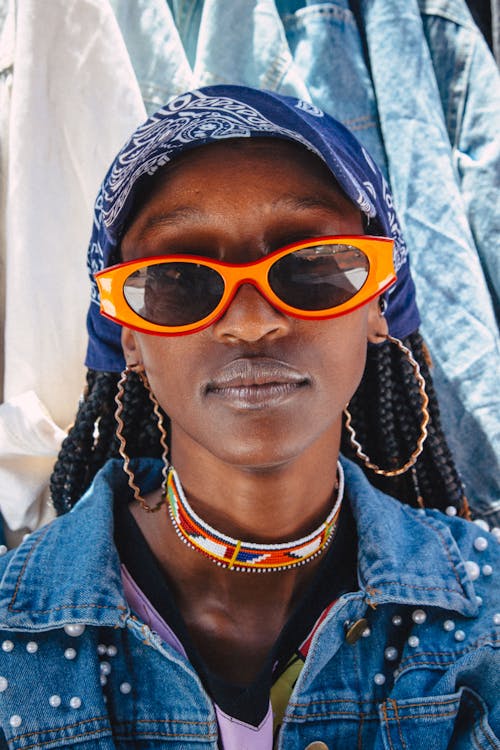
(263,504)
(266,505)
(224,609)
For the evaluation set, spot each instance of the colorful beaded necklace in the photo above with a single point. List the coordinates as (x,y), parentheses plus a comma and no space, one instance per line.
(247,557)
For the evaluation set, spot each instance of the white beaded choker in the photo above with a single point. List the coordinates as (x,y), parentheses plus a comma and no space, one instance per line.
(241,556)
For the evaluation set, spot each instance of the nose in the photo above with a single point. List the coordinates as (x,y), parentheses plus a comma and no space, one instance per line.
(250,318)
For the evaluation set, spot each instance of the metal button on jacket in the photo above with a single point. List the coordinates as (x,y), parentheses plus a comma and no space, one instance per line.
(355,630)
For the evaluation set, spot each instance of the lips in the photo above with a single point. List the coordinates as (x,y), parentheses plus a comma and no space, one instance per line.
(256,382)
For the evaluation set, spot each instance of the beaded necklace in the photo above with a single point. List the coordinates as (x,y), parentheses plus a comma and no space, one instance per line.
(241,556)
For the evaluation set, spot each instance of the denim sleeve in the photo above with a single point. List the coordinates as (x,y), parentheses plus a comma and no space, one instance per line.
(469,88)
(478,163)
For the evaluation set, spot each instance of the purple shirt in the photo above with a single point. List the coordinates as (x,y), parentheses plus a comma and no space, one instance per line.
(234,734)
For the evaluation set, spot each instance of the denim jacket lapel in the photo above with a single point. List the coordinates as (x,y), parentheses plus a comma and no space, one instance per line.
(78,554)
(406,555)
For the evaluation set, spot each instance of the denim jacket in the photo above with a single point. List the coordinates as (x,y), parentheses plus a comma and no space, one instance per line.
(79,669)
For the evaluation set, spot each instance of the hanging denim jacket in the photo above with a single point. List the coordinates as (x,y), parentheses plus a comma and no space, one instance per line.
(437,95)
(78,667)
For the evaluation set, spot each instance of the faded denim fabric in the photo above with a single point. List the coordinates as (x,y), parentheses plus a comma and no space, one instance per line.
(469,87)
(427,109)
(457,314)
(155,50)
(427,587)
(328,50)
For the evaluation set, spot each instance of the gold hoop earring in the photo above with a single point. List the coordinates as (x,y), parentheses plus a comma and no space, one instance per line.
(122,449)
(423,425)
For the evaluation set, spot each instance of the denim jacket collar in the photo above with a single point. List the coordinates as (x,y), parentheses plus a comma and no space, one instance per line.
(405,556)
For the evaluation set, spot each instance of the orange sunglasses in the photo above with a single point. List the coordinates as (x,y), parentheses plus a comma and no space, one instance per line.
(171,295)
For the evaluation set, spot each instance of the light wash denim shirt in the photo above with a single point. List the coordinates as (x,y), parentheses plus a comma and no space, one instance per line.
(416,83)
(423,674)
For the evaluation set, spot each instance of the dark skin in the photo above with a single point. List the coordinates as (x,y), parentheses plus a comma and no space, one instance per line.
(247,454)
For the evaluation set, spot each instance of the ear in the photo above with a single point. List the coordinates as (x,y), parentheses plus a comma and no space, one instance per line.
(377,324)
(131,348)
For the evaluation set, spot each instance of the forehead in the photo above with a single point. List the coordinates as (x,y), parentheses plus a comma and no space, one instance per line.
(230,161)
(249,149)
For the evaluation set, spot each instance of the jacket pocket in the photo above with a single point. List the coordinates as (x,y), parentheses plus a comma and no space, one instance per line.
(445,722)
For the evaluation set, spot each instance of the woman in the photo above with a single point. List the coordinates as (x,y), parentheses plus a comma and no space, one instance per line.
(243,247)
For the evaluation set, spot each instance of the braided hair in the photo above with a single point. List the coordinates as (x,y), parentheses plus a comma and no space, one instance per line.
(386,412)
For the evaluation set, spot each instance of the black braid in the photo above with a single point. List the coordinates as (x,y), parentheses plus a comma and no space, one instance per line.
(386,413)
(92,440)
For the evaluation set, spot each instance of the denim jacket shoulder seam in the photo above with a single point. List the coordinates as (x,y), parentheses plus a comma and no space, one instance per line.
(447,552)
(25,565)
(60,607)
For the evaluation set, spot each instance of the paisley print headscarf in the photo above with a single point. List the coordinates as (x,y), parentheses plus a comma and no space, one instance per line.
(213,113)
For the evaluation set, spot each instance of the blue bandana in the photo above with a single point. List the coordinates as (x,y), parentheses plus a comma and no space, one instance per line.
(210,114)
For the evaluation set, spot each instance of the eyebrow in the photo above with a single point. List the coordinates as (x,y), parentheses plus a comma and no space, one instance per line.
(181,213)
(305,203)
(189,213)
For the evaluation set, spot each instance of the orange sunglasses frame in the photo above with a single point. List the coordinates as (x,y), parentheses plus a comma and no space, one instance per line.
(381,276)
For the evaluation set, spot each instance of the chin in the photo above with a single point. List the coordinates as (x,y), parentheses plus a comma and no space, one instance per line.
(264,457)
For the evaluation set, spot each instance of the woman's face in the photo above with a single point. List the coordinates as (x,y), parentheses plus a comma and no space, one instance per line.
(256,387)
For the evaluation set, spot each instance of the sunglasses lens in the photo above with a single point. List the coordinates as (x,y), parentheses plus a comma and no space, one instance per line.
(319,277)
(174,293)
